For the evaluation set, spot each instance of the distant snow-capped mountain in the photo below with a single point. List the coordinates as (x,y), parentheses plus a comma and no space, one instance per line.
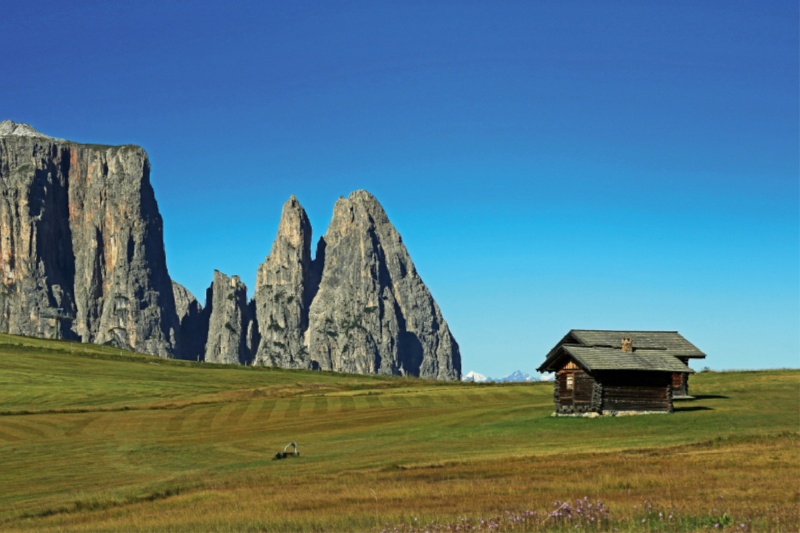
(522,376)
(474,376)
(516,377)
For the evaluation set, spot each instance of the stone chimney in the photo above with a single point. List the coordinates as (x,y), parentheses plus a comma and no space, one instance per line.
(627,344)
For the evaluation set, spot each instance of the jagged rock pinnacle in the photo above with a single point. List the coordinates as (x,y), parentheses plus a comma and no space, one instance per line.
(372,313)
(282,292)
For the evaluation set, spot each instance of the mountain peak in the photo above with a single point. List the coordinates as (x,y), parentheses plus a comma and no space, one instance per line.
(11,128)
(475,377)
(519,375)
(361,194)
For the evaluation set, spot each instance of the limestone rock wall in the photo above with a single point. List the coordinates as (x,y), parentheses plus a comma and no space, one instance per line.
(193,324)
(372,313)
(228,321)
(80,230)
(282,290)
(359,306)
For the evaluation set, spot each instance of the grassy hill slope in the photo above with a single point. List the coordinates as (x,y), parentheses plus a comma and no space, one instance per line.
(110,440)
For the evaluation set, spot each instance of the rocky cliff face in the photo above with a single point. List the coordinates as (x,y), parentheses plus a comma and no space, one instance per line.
(80,230)
(372,313)
(193,324)
(360,306)
(228,321)
(282,292)
(81,237)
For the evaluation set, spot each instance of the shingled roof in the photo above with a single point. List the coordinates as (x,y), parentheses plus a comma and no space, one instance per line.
(602,350)
(672,341)
(594,358)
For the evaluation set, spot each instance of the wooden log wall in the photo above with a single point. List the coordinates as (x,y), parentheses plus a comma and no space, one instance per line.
(680,384)
(557,391)
(580,399)
(564,394)
(582,392)
(597,397)
(684,391)
(636,391)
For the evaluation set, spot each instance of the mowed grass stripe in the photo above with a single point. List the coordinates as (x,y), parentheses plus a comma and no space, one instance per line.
(401,402)
(24,428)
(177,420)
(265,412)
(444,400)
(8,437)
(320,406)
(80,425)
(440,400)
(235,415)
(530,391)
(374,402)
(347,403)
(424,400)
(501,397)
(293,408)
(361,403)
(205,417)
(128,422)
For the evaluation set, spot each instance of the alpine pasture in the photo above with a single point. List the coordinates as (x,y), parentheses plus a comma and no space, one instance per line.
(95,439)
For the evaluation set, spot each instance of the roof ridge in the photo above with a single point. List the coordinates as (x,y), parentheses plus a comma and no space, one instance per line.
(629,330)
(659,348)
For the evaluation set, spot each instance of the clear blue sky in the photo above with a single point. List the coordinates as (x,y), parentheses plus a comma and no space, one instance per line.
(551,165)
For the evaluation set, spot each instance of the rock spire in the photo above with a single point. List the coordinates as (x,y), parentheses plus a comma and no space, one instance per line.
(228,321)
(283,292)
(372,313)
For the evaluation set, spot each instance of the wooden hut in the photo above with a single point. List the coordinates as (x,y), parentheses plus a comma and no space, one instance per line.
(609,372)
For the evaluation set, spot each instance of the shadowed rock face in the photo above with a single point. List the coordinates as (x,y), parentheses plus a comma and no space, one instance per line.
(372,313)
(193,323)
(282,292)
(80,230)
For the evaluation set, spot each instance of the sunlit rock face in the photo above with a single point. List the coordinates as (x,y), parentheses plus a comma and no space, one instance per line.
(372,313)
(228,322)
(80,231)
(283,292)
(358,307)
(81,238)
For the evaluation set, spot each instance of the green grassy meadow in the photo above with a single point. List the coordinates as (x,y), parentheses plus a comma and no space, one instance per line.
(92,439)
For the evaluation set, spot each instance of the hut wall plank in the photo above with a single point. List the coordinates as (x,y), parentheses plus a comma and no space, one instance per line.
(637,391)
(583,386)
